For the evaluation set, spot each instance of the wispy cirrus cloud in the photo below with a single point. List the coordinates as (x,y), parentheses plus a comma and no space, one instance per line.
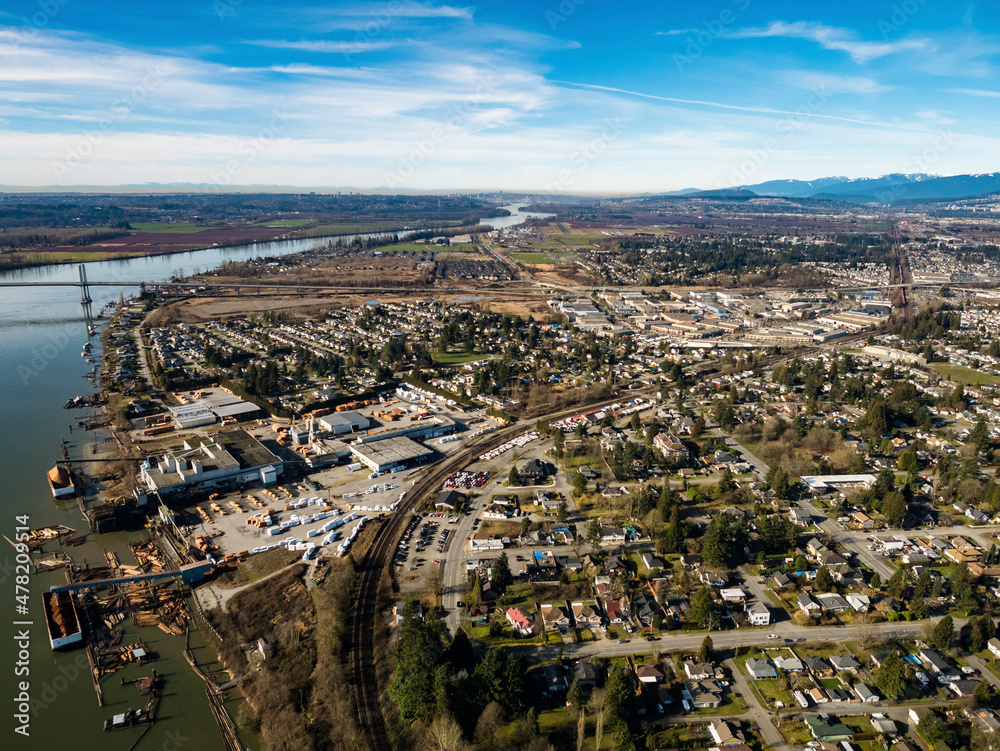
(406,9)
(830,38)
(985,93)
(324,45)
(835,84)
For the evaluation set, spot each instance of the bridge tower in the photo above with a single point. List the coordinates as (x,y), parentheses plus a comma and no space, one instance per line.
(84,289)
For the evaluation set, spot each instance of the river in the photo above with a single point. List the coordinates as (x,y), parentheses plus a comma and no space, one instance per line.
(42,332)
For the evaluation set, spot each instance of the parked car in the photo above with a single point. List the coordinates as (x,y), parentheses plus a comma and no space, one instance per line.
(772,636)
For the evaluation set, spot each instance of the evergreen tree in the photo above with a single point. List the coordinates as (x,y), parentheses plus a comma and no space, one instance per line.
(943,634)
(705,654)
(891,677)
(824,579)
(501,571)
(703,609)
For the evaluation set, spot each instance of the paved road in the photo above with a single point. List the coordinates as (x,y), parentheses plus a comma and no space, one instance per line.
(980,664)
(756,712)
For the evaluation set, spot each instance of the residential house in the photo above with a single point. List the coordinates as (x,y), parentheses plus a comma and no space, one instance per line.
(860,603)
(832,602)
(616,612)
(789,664)
(652,562)
(758,614)
(781,580)
(733,594)
(644,607)
(760,669)
(697,671)
(826,728)
(555,617)
(808,604)
(584,674)
(713,579)
(586,614)
(963,686)
(726,734)
(844,663)
(884,725)
(818,666)
(866,694)
(987,720)
(670,446)
(649,674)
(935,661)
(615,565)
(555,680)
(994,646)
(612,535)
(520,622)
(702,694)
(532,472)
(818,696)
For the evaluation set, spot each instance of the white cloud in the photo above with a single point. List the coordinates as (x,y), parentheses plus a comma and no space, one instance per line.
(324,46)
(828,37)
(834,84)
(977,92)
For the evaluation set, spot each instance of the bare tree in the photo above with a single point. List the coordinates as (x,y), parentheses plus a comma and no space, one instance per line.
(444,734)
(868,634)
(489,723)
(599,706)
(581,730)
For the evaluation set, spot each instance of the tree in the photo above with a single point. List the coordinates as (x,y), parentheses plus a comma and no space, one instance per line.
(726,482)
(620,691)
(780,484)
(824,579)
(891,677)
(475,596)
(983,693)
(876,581)
(599,706)
(705,654)
(980,436)
(513,478)
(558,442)
(501,571)
(594,532)
(561,512)
(943,634)
(894,507)
(703,609)
(489,723)
(444,734)
(574,697)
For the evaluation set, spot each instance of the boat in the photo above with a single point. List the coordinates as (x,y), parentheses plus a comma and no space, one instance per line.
(60,482)
(61,619)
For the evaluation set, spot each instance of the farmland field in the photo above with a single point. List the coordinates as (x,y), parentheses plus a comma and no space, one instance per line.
(542,257)
(962,374)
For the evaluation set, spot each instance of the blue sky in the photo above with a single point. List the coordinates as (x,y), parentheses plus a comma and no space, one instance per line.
(571,96)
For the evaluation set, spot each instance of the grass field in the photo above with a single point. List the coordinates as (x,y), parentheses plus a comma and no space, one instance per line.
(542,257)
(285,223)
(168,227)
(962,374)
(456,358)
(424,247)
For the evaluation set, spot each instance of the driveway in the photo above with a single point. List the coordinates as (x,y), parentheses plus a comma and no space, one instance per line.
(760,716)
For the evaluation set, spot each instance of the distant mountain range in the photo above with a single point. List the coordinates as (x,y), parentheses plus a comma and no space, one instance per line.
(885,189)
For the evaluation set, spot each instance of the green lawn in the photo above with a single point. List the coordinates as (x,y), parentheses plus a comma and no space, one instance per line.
(542,257)
(169,227)
(962,374)
(795,732)
(285,223)
(830,682)
(456,358)
(732,704)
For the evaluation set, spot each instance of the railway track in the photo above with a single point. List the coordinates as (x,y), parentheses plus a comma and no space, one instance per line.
(378,557)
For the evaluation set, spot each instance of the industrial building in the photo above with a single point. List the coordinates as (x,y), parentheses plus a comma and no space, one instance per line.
(224,459)
(390,454)
(343,422)
(192,415)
